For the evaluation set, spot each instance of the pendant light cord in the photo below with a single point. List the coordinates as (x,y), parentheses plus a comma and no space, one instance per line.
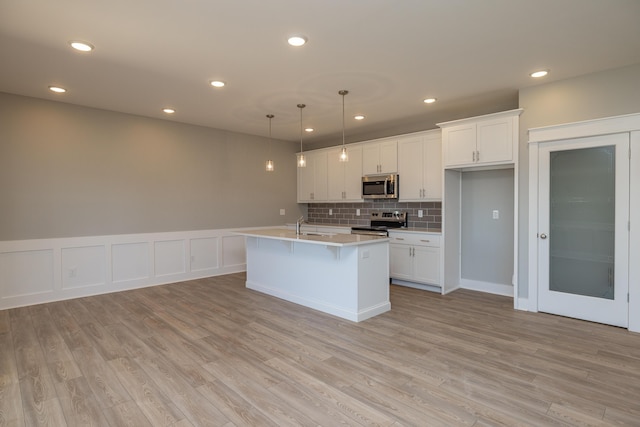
(343,93)
(270,116)
(301,106)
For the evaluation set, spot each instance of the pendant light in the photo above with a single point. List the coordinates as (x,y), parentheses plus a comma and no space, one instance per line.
(302,162)
(344,157)
(269,165)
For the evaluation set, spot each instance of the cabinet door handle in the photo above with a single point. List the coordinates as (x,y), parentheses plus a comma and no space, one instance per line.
(473,155)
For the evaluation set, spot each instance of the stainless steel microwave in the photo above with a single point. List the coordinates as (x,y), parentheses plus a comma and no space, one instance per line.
(380,186)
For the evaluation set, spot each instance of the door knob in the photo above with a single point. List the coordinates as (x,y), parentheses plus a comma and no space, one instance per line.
(543,236)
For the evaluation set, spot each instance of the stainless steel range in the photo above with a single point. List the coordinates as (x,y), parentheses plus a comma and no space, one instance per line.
(381,222)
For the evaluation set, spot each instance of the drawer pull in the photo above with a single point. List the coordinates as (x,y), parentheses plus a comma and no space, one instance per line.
(399,238)
(426,241)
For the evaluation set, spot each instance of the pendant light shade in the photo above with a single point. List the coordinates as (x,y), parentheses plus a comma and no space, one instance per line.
(269,167)
(344,156)
(302,162)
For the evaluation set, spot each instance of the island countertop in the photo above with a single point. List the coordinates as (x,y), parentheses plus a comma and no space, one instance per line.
(317,238)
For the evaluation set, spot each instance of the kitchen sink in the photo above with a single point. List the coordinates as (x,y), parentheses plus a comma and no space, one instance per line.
(315,233)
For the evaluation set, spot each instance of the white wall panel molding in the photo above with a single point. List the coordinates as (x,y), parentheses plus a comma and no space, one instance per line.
(45,270)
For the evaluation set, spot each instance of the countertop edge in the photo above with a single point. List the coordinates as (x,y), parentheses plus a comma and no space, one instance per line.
(290,236)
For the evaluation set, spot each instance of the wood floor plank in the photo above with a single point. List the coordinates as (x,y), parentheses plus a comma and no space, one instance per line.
(78,403)
(4,322)
(39,399)
(211,352)
(126,414)
(198,410)
(10,395)
(335,398)
(155,405)
(59,359)
(255,392)
(239,411)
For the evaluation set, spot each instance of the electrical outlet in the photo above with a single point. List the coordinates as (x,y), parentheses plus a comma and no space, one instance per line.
(282,211)
(420,213)
(357,212)
(496,214)
(330,211)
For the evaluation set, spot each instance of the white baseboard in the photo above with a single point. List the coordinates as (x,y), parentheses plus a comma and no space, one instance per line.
(491,288)
(46,270)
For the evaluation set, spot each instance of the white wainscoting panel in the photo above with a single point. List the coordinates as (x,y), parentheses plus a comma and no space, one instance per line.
(130,261)
(83,266)
(234,251)
(169,257)
(25,273)
(204,254)
(44,270)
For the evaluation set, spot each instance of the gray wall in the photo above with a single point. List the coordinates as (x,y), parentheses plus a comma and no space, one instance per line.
(604,94)
(68,171)
(487,243)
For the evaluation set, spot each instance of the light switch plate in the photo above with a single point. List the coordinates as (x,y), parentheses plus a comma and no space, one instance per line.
(496,214)
(281,211)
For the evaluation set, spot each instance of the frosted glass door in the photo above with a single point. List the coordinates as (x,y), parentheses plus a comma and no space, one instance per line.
(583,236)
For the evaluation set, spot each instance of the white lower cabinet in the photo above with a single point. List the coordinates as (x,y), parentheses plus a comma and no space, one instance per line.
(414,259)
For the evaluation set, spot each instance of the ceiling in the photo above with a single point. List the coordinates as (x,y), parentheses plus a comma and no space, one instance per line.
(390,55)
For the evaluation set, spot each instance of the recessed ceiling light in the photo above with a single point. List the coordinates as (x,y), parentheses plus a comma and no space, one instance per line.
(169,110)
(81,46)
(217,83)
(309,129)
(538,74)
(57,89)
(429,100)
(359,117)
(297,41)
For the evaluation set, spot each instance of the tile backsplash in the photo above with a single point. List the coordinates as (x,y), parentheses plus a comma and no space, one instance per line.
(345,213)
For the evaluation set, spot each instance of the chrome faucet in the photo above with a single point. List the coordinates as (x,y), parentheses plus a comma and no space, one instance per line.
(298,224)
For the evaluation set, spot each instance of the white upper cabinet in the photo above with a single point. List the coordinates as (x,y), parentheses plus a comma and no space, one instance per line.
(345,178)
(312,179)
(380,157)
(420,166)
(480,141)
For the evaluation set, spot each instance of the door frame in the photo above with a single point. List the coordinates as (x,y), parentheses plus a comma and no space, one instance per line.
(537,136)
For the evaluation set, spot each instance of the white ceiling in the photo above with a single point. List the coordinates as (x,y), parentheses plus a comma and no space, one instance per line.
(390,55)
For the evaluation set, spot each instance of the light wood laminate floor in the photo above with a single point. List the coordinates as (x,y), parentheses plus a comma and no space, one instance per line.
(210,352)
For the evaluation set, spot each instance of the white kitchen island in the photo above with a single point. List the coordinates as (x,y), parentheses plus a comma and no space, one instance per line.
(345,275)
